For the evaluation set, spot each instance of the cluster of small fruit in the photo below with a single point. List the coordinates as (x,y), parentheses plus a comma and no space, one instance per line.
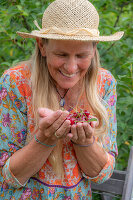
(82,116)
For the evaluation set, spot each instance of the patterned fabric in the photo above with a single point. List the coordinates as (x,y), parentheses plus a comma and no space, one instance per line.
(17,123)
(9,177)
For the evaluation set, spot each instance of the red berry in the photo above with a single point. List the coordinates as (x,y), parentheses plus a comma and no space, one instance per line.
(82,116)
(72,120)
(86,113)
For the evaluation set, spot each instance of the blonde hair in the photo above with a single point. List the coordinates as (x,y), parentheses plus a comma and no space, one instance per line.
(44,95)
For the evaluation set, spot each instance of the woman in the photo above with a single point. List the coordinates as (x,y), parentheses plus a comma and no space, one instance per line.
(42,155)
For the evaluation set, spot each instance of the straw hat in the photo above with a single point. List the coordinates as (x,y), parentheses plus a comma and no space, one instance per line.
(70,20)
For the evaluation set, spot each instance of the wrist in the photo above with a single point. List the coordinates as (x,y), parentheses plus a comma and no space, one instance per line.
(89,142)
(44,140)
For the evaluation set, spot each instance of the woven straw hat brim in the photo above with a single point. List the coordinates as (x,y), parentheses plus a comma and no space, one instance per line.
(114,37)
(70,20)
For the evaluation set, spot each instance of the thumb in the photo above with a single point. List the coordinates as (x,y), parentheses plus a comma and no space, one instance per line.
(44,112)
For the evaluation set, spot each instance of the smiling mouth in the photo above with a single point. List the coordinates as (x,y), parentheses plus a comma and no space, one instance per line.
(68,75)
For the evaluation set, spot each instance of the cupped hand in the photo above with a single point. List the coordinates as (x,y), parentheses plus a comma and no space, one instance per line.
(83,132)
(52,121)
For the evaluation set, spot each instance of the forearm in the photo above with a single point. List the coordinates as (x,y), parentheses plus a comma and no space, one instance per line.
(91,159)
(27,161)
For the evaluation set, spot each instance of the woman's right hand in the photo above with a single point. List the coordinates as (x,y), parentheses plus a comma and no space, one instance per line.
(50,122)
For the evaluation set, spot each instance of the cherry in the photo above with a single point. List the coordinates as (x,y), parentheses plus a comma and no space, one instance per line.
(82,116)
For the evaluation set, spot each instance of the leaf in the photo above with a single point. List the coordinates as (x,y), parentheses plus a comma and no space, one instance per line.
(19,7)
(92,119)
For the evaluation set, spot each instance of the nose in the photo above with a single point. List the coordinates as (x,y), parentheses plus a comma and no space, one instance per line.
(71,65)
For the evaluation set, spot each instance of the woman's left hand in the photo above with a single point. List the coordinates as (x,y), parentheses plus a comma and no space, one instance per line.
(82,133)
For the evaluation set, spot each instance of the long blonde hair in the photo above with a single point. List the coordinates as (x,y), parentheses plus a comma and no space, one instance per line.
(44,95)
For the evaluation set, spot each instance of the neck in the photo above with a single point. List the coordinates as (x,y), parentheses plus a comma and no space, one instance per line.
(69,97)
(62,91)
(72,90)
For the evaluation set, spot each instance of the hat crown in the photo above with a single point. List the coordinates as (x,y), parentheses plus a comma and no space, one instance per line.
(70,14)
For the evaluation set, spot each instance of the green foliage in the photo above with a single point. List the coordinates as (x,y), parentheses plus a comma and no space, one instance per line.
(18,15)
(117,57)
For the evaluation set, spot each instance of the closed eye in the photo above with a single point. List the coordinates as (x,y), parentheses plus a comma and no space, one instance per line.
(82,55)
(61,54)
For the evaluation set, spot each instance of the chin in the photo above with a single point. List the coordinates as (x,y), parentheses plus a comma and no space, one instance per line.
(66,86)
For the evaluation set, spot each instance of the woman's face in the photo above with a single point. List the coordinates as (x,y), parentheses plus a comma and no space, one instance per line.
(68,61)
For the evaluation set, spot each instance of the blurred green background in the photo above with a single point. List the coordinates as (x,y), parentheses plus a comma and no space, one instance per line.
(116,56)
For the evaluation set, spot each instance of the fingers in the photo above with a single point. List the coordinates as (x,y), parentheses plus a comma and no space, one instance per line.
(89,131)
(94,124)
(74,133)
(47,121)
(55,122)
(44,112)
(81,132)
(59,122)
(64,129)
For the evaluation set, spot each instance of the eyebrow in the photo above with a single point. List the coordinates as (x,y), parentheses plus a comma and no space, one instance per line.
(63,52)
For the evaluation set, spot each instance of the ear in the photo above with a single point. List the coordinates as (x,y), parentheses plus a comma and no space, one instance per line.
(41,46)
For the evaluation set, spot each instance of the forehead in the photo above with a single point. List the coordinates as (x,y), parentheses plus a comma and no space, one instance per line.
(69,45)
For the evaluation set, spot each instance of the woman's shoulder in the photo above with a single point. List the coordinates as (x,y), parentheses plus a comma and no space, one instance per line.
(105,81)
(17,79)
(106,75)
(18,72)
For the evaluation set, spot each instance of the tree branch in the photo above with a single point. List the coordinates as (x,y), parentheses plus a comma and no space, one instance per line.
(25,23)
(121,11)
(108,49)
(118,17)
(116,22)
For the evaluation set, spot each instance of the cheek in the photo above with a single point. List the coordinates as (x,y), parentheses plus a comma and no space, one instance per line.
(85,64)
(54,62)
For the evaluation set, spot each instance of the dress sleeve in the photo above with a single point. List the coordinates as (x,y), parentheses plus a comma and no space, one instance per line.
(109,100)
(13,125)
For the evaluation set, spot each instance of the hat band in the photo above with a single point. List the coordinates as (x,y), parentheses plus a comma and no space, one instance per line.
(55,30)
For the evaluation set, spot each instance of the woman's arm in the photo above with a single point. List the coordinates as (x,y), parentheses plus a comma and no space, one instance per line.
(28,161)
(95,159)
(91,159)
(24,160)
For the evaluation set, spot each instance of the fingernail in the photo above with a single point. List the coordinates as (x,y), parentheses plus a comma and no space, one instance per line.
(94,124)
(59,111)
(66,112)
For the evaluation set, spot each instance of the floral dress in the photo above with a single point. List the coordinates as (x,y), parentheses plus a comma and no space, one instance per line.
(17,123)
